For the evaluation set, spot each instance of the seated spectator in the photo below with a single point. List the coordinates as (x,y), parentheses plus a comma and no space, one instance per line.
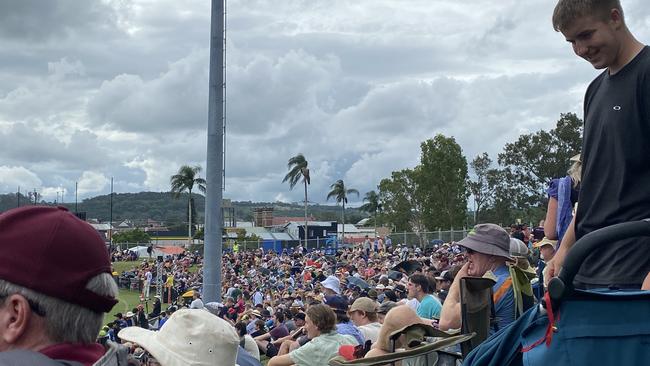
(343,324)
(246,341)
(197,303)
(320,325)
(363,314)
(444,283)
(383,309)
(487,248)
(52,304)
(419,288)
(260,328)
(265,342)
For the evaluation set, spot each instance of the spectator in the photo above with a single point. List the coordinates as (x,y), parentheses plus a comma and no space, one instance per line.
(325,341)
(383,309)
(615,169)
(266,343)
(53,303)
(429,306)
(487,249)
(197,303)
(246,341)
(156,307)
(344,326)
(331,286)
(190,337)
(444,282)
(363,314)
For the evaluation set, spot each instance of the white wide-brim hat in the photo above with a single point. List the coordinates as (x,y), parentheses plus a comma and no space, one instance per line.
(191,337)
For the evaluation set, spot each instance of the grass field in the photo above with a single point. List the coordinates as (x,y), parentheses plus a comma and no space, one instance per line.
(130,299)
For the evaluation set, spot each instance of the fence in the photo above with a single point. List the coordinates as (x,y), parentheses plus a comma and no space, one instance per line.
(411,239)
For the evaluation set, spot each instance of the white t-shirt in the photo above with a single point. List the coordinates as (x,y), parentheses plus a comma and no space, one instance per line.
(196,304)
(370,331)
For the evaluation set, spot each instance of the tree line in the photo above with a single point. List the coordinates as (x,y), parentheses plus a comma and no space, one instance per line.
(434,194)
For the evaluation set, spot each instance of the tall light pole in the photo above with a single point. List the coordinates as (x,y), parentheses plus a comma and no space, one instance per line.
(214,161)
(110,220)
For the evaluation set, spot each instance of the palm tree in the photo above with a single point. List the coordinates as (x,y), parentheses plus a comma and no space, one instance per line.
(297,166)
(185,180)
(340,193)
(372,206)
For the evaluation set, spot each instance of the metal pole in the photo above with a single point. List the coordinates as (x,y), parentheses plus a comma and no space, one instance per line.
(18,195)
(110,222)
(76,187)
(214,162)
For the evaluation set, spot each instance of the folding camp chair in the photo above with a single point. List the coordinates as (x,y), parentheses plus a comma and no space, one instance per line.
(477,310)
(422,355)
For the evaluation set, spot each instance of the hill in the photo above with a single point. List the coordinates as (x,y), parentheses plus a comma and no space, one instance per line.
(161,206)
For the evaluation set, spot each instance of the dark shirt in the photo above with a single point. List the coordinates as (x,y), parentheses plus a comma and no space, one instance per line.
(615,184)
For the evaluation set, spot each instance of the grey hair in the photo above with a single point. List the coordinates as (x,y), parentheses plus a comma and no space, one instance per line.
(66,322)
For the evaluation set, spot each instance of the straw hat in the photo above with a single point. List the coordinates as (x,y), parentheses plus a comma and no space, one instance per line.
(190,337)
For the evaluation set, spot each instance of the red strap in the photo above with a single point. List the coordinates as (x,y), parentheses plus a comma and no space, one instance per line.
(548,336)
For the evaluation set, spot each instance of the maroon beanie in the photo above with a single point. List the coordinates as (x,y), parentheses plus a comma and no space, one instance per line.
(52,252)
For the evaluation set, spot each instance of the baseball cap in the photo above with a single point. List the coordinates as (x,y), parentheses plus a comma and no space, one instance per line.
(364,304)
(545,241)
(488,239)
(51,251)
(445,276)
(337,302)
(518,248)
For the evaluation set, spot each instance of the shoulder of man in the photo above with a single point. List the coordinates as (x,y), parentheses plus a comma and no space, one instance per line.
(31,358)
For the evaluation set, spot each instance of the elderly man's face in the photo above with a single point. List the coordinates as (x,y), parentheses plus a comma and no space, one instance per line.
(479,263)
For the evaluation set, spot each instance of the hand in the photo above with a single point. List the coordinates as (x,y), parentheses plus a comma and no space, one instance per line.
(553,266)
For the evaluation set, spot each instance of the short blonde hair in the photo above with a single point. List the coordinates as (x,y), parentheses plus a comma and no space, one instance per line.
(567,11)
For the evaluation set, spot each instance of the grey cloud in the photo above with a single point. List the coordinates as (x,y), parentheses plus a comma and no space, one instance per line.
(36,20)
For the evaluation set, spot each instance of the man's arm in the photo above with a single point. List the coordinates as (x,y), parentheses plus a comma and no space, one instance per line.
(551,219)
(263,337)
(450,314)
(554,265)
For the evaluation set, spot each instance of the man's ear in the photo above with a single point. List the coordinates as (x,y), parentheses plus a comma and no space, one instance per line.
(616,17)
(15,316)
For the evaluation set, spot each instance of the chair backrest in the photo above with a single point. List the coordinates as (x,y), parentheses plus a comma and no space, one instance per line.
(424,354)
(477,310)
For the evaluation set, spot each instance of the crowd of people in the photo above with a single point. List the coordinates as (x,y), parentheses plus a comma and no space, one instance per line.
(267,296)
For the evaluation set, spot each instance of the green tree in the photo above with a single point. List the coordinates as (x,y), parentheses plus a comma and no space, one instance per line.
(297,166)
(484,185)
(340,193)
(534,159)
(401,202)
(372,206)
(131,236)
(185,180)
(443,181)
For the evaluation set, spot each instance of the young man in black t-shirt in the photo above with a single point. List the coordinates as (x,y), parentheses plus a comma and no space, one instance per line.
(616,144)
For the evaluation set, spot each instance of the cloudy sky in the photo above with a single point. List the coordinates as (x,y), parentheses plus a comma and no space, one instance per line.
(91,90)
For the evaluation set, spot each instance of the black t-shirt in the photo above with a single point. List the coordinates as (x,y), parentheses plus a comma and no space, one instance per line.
(615,185)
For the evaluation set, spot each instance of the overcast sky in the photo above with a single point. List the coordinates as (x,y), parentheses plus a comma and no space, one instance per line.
(91,90)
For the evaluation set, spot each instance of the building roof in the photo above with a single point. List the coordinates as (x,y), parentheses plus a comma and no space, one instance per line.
(260,232)
(281,220)
(349,228)
(282,236)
